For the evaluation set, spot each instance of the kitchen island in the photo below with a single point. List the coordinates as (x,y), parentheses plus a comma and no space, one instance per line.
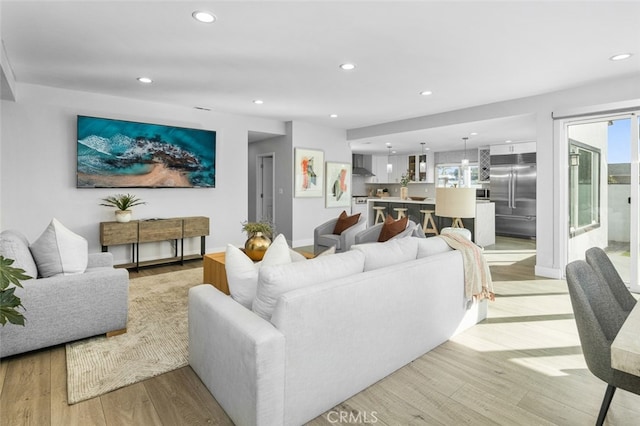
(482,227)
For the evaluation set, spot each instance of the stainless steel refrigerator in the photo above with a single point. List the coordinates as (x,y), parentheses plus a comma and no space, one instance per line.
(513,190)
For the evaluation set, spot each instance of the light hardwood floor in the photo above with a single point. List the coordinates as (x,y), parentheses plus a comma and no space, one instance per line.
(522,366)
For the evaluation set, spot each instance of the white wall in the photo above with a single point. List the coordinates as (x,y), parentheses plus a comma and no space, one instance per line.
(38,166)
(549,257)
(310,212)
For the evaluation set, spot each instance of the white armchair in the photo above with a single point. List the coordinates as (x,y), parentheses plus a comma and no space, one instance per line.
(324,238)
(371,234)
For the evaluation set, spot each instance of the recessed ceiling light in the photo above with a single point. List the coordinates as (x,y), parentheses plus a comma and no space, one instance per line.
(334,116)
(258,101)
(508,141)
(473,134)
(620,57)
(203,16)
(145,80)
(347,66)
(427,149)
(426,92)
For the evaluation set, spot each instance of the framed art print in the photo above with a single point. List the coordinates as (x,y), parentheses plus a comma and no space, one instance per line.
(308,172)
(338,177)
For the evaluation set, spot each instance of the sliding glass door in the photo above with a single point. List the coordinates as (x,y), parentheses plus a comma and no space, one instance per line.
(603,191)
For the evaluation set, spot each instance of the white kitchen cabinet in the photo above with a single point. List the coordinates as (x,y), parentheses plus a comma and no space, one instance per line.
(379,169)
(513,148)
(400,164)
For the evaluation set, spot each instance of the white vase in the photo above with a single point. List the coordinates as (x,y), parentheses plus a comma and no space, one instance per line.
(123,215)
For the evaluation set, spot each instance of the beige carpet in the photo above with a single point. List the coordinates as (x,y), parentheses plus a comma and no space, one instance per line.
(155,343)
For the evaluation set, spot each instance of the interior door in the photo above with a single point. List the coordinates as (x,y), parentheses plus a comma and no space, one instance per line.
(266,189)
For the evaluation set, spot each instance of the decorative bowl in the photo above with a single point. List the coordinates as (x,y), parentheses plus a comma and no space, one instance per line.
(418,198)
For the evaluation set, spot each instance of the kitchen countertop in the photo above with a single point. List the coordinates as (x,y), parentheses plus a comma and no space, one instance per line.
(409,201)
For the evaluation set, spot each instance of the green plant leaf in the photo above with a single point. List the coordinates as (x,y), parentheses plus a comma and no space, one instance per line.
(8,304)
(10,275)
(122,201)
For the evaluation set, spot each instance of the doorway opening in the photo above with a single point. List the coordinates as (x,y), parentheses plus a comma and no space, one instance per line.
(602,190)
(265,187)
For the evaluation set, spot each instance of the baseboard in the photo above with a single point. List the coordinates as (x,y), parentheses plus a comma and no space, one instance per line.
(543,271)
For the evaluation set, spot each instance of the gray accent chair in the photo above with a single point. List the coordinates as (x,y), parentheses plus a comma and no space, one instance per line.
(598,316)
(600,262)
(63,308)
(371,234)
(324,238)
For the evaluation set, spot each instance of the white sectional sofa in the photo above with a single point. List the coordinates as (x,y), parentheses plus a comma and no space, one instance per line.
(334,330)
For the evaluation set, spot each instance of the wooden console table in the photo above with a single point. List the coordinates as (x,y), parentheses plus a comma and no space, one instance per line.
(154,230)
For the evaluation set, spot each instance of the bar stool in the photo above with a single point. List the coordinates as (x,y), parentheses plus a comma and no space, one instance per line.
(429,225)
(401,212)
(379,214)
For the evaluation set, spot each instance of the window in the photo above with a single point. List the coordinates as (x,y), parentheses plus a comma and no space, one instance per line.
(584,188)
(452,175)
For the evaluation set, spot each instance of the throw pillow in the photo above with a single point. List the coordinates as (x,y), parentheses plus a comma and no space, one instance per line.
(276,280)
(242,272)
(345,222)
(391,228)
(391,252)
(58,251)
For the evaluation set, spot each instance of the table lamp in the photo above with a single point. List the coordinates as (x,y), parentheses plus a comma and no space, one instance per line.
(456,203)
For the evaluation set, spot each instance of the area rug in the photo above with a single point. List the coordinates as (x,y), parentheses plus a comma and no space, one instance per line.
(155,342)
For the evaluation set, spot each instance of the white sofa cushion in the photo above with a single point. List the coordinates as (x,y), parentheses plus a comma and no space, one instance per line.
(432,245)
(242,272)
(274,281)
(380,255)
(59,251)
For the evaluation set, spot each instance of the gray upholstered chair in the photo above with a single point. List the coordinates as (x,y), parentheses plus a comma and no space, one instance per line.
(324,238)
(371,234)
(600,262)
(599,317)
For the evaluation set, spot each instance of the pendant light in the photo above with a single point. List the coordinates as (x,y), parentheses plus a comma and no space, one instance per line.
(389,165)
(465,160)
(423,163)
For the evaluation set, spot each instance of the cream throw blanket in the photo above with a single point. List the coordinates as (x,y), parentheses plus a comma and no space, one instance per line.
(477,276)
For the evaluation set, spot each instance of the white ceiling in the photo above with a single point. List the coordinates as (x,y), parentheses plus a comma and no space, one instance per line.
(288,54)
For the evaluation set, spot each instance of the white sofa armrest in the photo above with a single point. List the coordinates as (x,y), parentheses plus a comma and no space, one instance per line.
(238,356)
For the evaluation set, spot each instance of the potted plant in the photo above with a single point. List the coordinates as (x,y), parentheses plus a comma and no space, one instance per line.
(404,181)
(9,302)
(123,203)
(259,238)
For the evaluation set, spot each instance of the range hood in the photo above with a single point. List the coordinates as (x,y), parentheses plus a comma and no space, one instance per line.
(360,163)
